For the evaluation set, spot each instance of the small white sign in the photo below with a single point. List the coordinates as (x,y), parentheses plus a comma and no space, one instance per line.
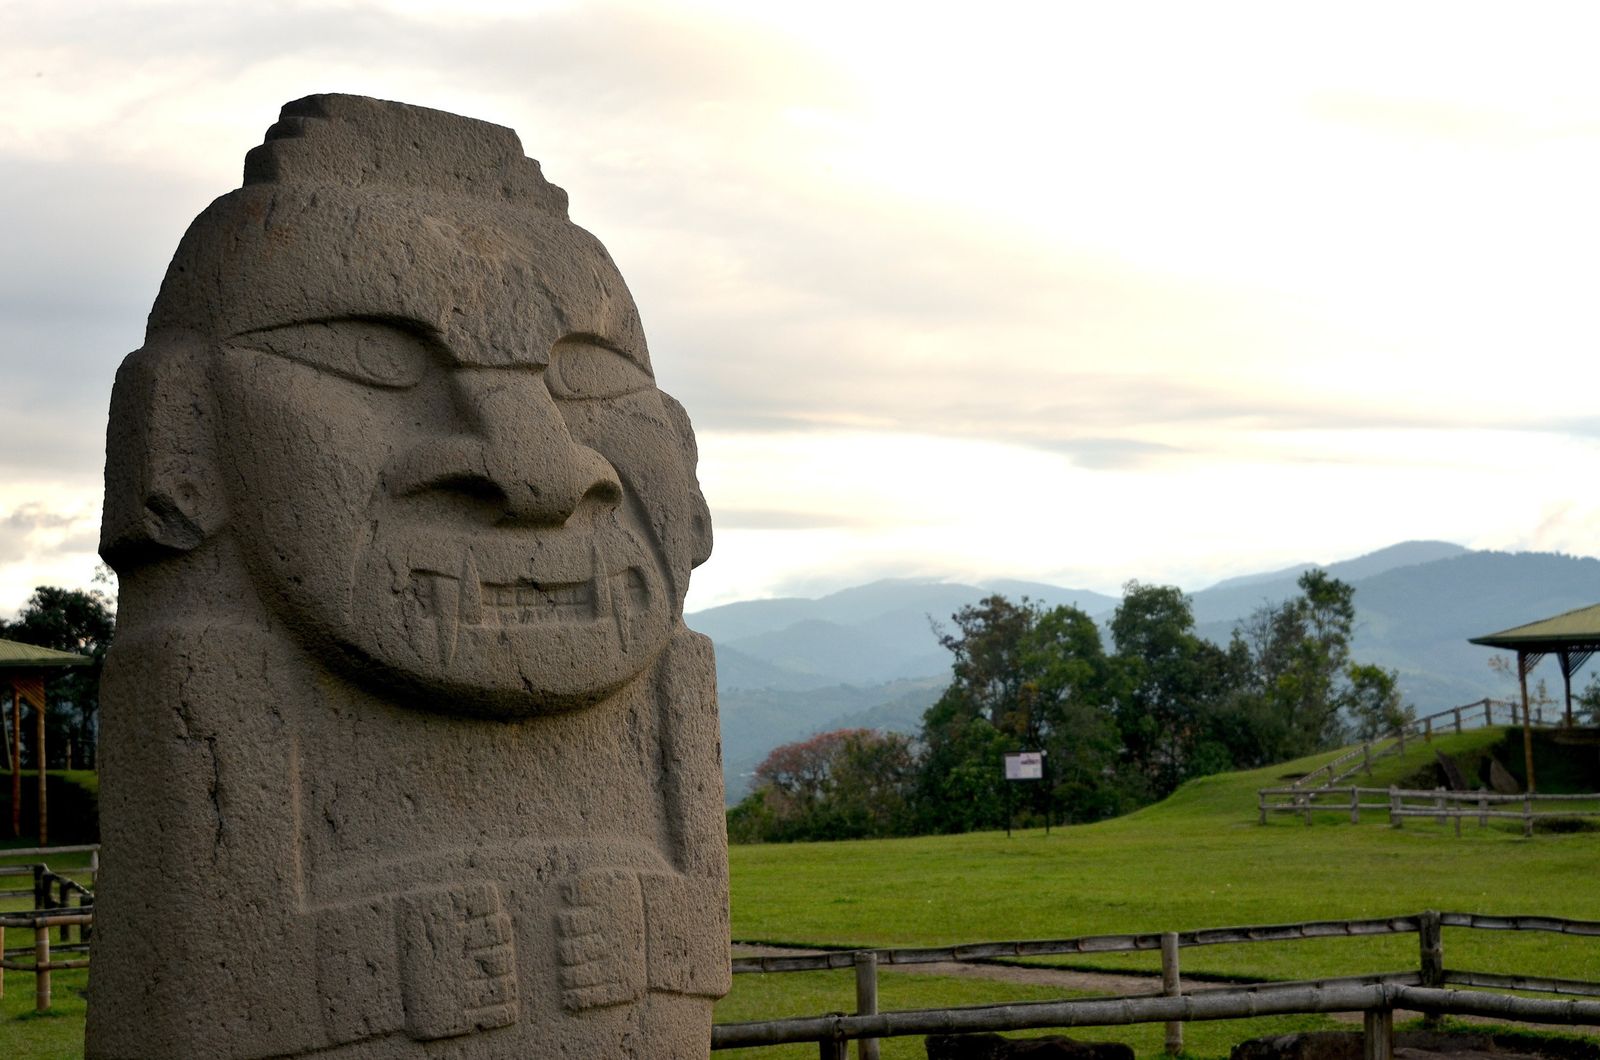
(1024,765)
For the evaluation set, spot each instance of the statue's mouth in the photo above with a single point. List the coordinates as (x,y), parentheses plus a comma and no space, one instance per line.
(526,602)
(467,601)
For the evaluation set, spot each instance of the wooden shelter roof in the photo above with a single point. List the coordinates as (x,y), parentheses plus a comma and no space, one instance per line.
(1572,631)
(15,655)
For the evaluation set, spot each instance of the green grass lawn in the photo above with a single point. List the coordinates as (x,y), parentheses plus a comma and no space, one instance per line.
(24,1033)
(1197,860)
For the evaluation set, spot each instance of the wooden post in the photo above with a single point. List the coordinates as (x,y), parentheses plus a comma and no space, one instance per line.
(1457,713)
(1261,804)
(1366,756)
(1427,730)
(1395,820)
(866,999)
(1171,987)
(828,1049)
(1527,815)
(16,763)
(41,966)
(1438,804)
(1377,1041)
(1527,724)
(1430,945)
(1488,713)
(38,750)
(1355,804)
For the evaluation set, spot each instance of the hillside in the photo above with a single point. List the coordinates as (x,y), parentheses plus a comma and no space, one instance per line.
(794,666)
(1197,859)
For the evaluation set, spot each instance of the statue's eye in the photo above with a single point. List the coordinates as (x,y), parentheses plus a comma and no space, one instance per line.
(367,351)
(583,368)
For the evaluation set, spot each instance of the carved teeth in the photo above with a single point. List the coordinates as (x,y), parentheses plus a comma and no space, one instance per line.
(468,600)
(471,591)
(528,603)
(446,615)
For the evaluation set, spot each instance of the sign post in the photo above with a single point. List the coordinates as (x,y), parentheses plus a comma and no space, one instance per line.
(1023,765)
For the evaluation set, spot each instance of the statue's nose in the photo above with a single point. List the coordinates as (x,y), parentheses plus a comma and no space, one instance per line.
(515,451)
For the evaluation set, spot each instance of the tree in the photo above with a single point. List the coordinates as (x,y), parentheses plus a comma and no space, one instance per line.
(1373,699)
(1587,702)
(1299,678)
(1174,686)
(81,622)
(1022,678)
(845,784)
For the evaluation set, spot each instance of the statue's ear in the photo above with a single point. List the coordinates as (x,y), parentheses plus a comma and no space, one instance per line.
(699,529)
(163,492)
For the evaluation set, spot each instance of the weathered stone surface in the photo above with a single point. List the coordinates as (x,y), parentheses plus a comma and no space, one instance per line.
(997,1047)
(1453,777)
(1501,780)
(407,751)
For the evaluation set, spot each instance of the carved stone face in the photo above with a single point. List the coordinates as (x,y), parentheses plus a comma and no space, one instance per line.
(447,465)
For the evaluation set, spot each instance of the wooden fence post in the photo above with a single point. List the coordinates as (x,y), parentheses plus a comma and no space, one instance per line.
(1377,1039)
(867,999)
(1400,734)
(1427,730)
(828,1049)
(1366,756)
(1171,987)
(1430,946)
(1488,713)
(1355,804)
(1527,815)
(1457,713)
(1395,820)
(1438,804)
(1261,804)
(41,969)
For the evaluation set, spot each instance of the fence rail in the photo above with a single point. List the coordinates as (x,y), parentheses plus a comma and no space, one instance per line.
(1377,994)
(1361,757)
(58,902)
(1439,803)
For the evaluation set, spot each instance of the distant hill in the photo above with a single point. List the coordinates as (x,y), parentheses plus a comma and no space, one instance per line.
(868,656)
(1230,600)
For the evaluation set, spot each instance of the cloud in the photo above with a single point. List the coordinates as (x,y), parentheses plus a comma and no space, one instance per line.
(778,519)
(44,545)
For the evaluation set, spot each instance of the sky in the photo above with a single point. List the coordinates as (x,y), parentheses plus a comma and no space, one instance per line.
(1074,292)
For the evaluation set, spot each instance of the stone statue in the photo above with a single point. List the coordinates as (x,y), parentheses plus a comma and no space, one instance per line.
(406,749)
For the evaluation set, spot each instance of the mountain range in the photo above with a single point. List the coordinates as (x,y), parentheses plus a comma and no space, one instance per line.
(869,656)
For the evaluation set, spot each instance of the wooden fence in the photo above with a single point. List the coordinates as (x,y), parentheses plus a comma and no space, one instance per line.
(1376,995)
(1440,804)
(1480,714)
(58,902)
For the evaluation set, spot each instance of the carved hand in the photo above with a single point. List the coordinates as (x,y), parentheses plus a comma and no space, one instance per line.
(602,941)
